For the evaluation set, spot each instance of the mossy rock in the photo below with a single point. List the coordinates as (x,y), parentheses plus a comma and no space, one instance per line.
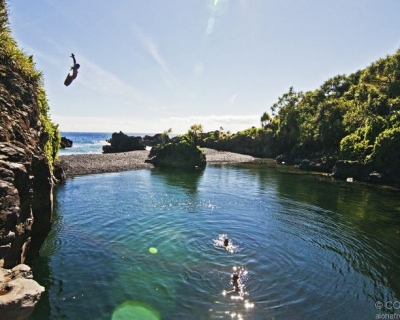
(177,155)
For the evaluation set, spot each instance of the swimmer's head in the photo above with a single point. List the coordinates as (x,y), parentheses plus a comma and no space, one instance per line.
(226,242)
(235,279)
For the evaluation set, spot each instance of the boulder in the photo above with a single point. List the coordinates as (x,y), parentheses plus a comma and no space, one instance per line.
(65,143)
(376,177)
(283,158)
(317,165)
(158,138)
(19,293)
(344,169)
(177,155)
(120,142)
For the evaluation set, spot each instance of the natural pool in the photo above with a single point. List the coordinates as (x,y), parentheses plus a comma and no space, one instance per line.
(310,247)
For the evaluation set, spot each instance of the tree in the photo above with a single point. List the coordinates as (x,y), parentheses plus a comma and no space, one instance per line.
(265,119)
(194,132)
(386,152)
(287,119)
(165,135)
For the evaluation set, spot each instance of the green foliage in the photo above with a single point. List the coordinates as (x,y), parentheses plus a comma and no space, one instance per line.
(165,135)
(18,61)
(287,120)
(181,153)
(386,152)
(49,129)
(265,119)
(11,55)
(355,147)
(350,116)
(353,117)
(193,134)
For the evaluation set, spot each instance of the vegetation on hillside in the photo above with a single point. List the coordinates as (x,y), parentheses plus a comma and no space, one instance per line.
(355,117)
(14,58)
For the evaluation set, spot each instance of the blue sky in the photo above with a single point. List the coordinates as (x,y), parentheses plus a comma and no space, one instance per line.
(151,65)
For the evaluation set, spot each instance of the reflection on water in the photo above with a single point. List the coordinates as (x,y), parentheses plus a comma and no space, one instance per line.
(145,242)
(186,179)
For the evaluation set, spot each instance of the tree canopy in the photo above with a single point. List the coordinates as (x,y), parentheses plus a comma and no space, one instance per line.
(355,117)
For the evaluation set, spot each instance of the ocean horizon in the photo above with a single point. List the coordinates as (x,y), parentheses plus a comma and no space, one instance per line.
(90,142)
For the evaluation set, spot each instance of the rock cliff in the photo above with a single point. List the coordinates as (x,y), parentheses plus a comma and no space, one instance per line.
(28,146)
(25,175)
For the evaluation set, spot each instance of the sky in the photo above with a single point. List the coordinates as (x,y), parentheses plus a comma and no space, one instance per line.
(151,65)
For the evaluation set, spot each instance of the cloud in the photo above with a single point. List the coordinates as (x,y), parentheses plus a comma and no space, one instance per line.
(214,122)
(179,125)
(104,82)
(151,47)
(94,124)
(233,98)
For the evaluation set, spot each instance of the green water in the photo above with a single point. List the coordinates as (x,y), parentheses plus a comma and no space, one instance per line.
(310,247)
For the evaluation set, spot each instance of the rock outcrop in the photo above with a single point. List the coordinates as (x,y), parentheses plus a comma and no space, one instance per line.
(25,175)
(18,293)
(66,143)
(151,141)
(350,169)
(120,142)
(26,181)
(177,155)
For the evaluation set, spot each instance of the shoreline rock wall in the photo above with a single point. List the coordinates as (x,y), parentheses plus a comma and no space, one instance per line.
(25,175)
(26,189)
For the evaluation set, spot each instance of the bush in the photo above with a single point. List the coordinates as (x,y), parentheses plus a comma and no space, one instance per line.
(18,61)
(386,152)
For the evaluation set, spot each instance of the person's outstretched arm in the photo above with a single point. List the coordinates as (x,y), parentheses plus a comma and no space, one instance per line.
(73,58)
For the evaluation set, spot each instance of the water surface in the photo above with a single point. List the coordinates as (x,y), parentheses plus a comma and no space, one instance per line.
(310,247)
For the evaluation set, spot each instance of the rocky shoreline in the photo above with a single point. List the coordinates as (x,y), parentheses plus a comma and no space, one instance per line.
(82,164)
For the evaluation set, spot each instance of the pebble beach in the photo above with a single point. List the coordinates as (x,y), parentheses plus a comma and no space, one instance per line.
(82,164)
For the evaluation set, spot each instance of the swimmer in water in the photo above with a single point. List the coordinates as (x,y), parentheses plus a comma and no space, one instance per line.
(236,283)
(226,242)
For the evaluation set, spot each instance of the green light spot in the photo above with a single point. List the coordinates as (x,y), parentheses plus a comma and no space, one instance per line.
(131,310)
(153,250)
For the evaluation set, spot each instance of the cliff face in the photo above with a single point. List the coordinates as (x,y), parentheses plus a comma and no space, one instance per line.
(25,175)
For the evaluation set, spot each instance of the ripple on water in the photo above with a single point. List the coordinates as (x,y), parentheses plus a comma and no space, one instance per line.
(295,254)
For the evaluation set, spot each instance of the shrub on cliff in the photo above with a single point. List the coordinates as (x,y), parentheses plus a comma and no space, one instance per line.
(50,133)
(16,60)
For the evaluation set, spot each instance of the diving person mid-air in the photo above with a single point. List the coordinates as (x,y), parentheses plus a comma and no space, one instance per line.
(74,68)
